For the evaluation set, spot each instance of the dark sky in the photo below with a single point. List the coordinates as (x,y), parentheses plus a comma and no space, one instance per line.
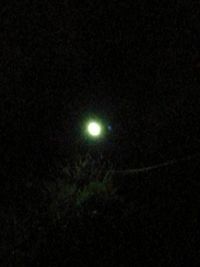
(136,63)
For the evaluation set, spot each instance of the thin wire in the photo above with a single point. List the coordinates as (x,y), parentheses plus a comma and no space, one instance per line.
(154,167)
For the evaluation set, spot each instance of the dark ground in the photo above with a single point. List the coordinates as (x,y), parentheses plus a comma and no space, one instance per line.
(152,220)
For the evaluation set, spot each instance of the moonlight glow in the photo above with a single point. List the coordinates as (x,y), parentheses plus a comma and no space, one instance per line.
(94,129)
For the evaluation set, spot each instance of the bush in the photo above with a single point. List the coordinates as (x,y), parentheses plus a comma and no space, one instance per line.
(71,203)
(80,181)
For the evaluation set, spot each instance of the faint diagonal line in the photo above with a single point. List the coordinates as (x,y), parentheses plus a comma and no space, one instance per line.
(154,167)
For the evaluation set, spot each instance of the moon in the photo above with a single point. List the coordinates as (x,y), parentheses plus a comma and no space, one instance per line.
(94,129)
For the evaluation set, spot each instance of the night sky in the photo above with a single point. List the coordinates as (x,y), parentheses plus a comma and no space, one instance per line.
(133,65)
(136,65)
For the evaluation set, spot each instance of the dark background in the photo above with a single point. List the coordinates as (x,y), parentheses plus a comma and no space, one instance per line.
(134,63)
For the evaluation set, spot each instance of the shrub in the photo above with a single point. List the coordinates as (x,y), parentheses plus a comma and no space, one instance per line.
(85,178)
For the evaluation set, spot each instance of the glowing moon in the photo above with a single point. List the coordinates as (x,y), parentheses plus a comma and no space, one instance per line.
(94,129)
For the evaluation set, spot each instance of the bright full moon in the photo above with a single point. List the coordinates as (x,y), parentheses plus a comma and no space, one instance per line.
(94,129)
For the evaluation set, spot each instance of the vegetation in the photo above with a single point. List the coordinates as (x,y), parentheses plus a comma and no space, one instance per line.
(72,193)
(82,215)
